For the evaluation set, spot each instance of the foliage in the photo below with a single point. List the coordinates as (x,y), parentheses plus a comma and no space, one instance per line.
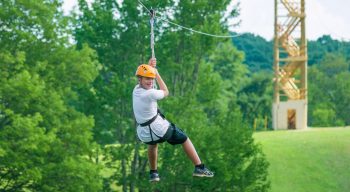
(328,61)
(44,140)
(255,97)
(328,95)
(201,78)
(258,51)
(325,44)
(66,122)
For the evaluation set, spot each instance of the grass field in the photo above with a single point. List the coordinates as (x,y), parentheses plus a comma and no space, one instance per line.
(309,160)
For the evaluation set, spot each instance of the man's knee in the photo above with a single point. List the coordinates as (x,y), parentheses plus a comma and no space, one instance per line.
(154,146)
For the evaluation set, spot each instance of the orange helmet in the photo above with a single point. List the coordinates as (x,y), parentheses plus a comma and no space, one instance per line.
(146,71)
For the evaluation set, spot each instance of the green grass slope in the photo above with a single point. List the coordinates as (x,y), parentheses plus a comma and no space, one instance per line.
(310,160)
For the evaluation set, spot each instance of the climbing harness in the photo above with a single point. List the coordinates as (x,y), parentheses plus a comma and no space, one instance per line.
(163,138)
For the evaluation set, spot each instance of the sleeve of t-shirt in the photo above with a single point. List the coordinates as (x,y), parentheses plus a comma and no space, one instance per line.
(156,94)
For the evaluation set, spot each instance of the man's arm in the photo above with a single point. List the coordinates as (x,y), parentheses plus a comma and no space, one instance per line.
(162,86)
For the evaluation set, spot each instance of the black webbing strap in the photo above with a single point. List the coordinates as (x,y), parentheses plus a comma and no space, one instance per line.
(150,132)
(167,135)
(160,113)
(149,121)
(153,118)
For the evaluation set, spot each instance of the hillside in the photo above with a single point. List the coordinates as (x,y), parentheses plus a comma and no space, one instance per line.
(310,160)
(259,51)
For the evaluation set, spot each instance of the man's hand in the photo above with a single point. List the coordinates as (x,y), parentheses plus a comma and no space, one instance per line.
(152,62)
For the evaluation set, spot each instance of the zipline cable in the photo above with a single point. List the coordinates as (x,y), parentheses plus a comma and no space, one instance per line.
(190,29)
(152,13)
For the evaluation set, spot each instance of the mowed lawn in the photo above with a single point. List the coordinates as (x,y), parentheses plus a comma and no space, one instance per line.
(310,160)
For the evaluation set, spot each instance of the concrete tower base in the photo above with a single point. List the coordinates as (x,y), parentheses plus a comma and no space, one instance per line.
(289,115)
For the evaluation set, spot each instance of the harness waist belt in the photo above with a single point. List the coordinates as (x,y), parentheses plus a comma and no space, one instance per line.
(149,121)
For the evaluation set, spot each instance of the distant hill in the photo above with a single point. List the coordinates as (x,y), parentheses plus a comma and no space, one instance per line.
(306,161)
(259,51)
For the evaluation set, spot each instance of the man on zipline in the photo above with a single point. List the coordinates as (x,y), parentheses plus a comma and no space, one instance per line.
(152,127)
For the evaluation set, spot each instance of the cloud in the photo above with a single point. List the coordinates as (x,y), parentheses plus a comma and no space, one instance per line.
(257,16)
(325,18)
(322,17)
(68,5)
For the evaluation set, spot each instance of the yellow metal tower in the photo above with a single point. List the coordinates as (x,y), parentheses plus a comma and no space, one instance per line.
(289,108)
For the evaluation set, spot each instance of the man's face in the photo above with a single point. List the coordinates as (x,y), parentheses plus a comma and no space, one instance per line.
(146,82)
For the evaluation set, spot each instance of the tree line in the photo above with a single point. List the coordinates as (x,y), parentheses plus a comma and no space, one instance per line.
(328,77)
(66,121)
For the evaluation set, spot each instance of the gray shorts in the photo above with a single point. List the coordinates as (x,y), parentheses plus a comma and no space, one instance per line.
(174,136)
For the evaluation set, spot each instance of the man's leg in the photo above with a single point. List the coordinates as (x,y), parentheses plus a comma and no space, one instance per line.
(153,156)
(191,152)
(178,137)
(200,170)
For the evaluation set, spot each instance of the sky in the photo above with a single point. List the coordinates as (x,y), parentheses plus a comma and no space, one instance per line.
(331,17)
(323,17)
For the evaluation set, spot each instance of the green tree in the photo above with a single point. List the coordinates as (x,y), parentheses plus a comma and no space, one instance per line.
(200,95)
(258,51)
(325,44)
(45,142)
(255,98)
(328,96)
(333,64)
(324,116)
(342,87)
(119,34)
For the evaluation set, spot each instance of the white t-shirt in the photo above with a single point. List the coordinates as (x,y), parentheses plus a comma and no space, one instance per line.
(145,108)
